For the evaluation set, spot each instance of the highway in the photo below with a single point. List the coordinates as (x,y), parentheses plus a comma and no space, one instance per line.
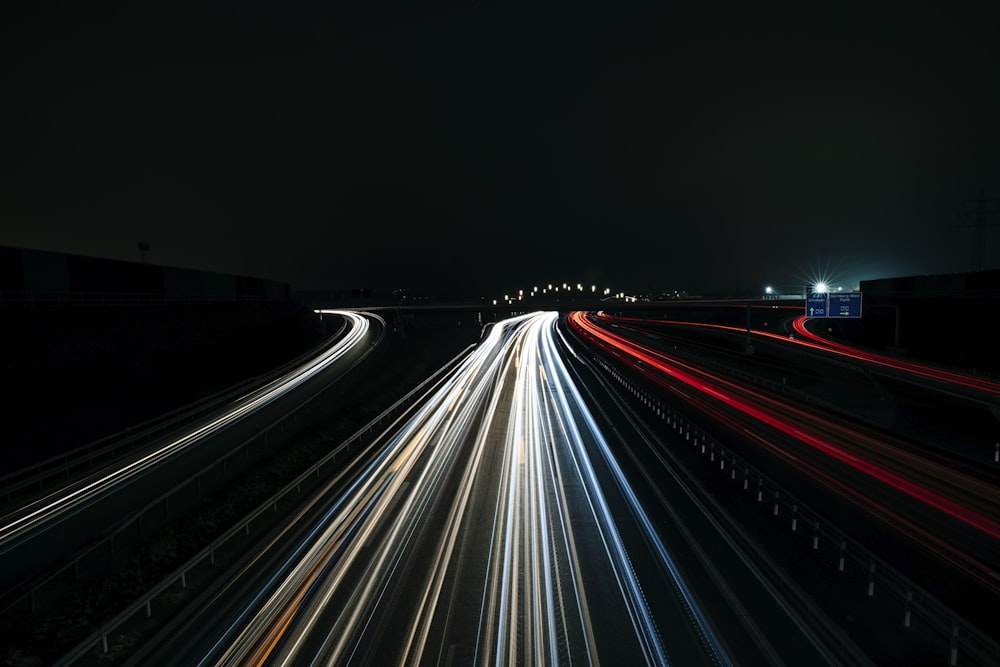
(953,381)
(492,523)
(941,513)
(524,510)
(985,388)
(43,531)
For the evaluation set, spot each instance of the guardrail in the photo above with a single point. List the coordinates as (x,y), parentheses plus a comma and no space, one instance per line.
(15,485)
(959,634)
(207,555)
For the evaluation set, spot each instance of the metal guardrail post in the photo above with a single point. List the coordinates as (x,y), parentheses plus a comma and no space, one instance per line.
(962,636)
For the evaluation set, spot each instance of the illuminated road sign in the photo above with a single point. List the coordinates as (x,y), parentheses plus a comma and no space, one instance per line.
(844,304)
(837,304)
(816,304)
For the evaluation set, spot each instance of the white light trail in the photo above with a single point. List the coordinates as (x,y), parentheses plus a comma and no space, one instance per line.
(535,595)
(60,505)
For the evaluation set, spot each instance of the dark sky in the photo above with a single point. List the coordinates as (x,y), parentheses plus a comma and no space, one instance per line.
(501,145)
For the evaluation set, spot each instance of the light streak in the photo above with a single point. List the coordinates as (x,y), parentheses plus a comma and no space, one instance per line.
(967,499)
(535,603)
(58,506)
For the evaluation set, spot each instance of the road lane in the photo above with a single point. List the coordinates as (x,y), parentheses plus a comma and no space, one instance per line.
(45,530)
(477,531)
(916,504)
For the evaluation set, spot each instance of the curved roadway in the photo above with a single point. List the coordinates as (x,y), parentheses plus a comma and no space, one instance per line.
(46,530)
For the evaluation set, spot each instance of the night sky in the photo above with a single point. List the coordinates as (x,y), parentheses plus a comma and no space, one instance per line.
(490,146)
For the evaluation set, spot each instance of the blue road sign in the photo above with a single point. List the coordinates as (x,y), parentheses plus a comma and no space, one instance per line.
(845,304)
(816,304)
(837,304)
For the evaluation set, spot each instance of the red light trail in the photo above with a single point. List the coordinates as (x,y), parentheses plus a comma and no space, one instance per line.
(965,498)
